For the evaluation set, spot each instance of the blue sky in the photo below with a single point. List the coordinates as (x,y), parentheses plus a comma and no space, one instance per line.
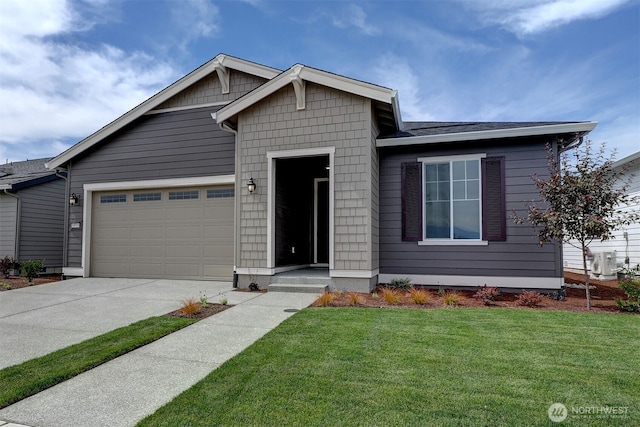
(67,68)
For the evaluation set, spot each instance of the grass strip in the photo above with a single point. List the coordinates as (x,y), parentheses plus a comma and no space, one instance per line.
(402,367)
(28,378)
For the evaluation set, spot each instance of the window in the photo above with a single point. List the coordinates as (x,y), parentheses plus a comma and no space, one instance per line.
(147,197)
(184,195)
(113,198)
(452,199)
(219,193)
(457,199)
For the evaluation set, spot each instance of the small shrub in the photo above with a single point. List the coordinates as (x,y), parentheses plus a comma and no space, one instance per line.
(375,295)
(355,298)
(190,307)
(404,284)
(632,289)
(529,298)
(391,296)
(7,265)
(487,294)
(253,287)
(326,299)
(224,301)
(452,298)
(441,291)
(203,300)
(420,296)
(6,286)
(559,295)
(31,269)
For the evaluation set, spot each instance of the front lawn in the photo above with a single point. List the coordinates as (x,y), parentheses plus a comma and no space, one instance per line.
(442,367)
(28,378)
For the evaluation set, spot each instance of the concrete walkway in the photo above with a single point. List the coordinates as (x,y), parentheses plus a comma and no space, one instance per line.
(125,390)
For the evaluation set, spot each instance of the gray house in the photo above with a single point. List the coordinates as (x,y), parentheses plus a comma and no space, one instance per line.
(246,169)
(32,213)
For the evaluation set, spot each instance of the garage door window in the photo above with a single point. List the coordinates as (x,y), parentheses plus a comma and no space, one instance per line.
(147,197)
(183,195)
(220,193)
(113,198)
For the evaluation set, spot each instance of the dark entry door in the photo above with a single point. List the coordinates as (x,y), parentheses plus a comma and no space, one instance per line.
(321,221)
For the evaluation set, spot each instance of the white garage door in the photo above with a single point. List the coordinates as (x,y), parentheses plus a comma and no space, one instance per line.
(184,233)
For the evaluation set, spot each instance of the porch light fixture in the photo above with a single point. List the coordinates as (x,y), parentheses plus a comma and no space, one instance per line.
(251,186)
(73,199)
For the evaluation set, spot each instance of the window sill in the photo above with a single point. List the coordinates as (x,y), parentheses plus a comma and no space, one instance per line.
(453,243)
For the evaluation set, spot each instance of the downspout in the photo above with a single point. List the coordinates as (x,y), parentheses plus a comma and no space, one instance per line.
(225,127)
(16,248)
(65,236)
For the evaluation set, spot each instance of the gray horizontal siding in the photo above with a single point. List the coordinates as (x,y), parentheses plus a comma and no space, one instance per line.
(179,144)
(42,222)
(519,256)
(8,212)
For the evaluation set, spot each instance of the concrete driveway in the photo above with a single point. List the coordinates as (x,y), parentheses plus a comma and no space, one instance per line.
(38,320)
(35,321)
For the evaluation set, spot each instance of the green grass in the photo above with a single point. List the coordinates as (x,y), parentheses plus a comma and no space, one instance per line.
(28,378)
(441,367)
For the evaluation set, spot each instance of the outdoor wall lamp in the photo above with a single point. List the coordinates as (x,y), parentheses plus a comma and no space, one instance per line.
(73,199)
(251,186)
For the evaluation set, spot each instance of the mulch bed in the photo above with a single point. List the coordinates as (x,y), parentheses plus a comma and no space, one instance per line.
(17,282)
(602,298)
(203,313)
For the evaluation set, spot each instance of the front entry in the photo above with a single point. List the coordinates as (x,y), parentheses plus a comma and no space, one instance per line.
(321,221)
(301,211)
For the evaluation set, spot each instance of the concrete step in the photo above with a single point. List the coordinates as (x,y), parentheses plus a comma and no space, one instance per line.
(299,287)
(301,280)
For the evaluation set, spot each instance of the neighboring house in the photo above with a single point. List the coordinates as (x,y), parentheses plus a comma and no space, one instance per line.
(626,241)
(32,202)
(341,183)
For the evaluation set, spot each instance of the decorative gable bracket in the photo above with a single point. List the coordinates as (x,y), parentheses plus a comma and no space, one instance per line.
(299,86)
(223,73)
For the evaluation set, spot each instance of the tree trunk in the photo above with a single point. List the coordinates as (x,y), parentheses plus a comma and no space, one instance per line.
(586,276)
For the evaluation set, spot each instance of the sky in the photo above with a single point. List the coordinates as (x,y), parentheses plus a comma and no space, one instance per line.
(69,67)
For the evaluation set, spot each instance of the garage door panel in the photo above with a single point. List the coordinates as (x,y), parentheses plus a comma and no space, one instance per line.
(183,270)
(183,251)
(187,239)
(149,269)
(111,216)
(112,252)
(183,231)
(148,214)
(215,270)
(148,250)
(147,232)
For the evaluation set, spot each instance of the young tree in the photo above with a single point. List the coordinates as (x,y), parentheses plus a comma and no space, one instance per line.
(580,201)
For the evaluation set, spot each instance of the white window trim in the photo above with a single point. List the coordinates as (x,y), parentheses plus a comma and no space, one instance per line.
(451,241)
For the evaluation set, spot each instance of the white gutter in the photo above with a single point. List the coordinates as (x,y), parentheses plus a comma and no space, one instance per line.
(488,134)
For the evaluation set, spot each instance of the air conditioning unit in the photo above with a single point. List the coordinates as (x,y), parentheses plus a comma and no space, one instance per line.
(603,265)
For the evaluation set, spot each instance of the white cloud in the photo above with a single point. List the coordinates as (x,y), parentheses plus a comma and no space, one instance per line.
(54,93)
(395,73)
(356,17)
(195,19)
(527,17)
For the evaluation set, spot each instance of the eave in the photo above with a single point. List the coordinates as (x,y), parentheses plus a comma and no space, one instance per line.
(298,74)
(578,130)
(212,66)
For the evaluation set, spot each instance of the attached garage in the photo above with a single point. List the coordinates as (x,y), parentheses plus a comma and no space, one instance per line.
(174,233)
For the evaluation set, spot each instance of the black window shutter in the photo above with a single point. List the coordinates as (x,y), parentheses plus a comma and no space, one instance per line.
(411,202)
(494,215)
